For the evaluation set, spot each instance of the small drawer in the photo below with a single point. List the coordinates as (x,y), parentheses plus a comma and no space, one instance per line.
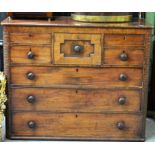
(114,56)
(76,125)
(114,39)
(93,77)
(36,38)
(75,100)
(30,54)
(77,49)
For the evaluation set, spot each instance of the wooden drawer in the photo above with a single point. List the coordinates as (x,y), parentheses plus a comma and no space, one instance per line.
(95,77)
(76,125)
(77,49)
(36,38)
(75,100)
(120,39)
(116,56)
(30,54)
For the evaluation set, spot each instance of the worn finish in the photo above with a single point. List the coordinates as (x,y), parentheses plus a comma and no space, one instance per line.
(72,80)
(97,77)
(34,38)
(68,22)
(70,125)
(75,100)
(65,52)
(30,54)
(114,56)
(123,39)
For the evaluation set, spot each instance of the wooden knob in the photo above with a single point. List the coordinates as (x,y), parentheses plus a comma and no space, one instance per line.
(123,57)
(123,77)
(30,76)
(31,124)
(30,55)
(77,48)
(31,99)
(120,125)
(122,100)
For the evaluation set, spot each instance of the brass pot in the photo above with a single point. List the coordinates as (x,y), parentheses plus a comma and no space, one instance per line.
(102,16)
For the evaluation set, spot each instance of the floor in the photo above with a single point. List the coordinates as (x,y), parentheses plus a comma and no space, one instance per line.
(150,131)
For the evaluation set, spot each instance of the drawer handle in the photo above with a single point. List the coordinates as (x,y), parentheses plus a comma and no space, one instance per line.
(30,76)
(31,99)
(122,100)
(30,55)
(123,56)
(120,125)
(77,48)
(123,77)
(31,124)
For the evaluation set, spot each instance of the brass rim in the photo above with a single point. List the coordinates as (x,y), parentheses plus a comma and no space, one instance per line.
(85,18)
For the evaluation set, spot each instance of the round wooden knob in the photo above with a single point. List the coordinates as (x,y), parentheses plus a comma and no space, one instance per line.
(122,100)
(120,125)
(30,55)
(123,57)
(31,99)
(31,124)
(31,76)
(123,77)
(77,48)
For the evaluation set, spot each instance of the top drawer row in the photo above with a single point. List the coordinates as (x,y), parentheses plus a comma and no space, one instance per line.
(46,38)
(35,38)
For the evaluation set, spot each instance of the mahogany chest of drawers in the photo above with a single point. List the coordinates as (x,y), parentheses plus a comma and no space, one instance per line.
(72,80)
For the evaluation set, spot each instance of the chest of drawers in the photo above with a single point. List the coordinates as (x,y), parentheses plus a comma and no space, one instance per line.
(72,80)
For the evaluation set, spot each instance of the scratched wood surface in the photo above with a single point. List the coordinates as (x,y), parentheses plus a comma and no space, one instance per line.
(75,100)
(76,94)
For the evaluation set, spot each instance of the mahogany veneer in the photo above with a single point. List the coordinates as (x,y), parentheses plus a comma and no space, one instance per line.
(73,80)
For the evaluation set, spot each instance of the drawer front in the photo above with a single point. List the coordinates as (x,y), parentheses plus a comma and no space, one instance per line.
(76,125)
(30,54)
(95,77)
(75,100)
(116,39)
(37,38)
(77,49)
(114,56)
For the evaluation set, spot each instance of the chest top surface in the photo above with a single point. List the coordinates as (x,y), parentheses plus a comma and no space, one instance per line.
(68,22)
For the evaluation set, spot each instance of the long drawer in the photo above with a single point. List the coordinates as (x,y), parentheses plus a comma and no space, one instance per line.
(75,100)
(76,125)
(96,77)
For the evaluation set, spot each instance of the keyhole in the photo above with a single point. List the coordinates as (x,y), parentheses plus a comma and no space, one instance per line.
(76,116)
(76,91)
(30,35)
(77,69)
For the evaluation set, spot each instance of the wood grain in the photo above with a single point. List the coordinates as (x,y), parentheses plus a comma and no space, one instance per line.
(76,125)
(112,56)
(94,57)
(123,39)
(97,77)
(36,38)
(67,22)
(75,100)
(42,54)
